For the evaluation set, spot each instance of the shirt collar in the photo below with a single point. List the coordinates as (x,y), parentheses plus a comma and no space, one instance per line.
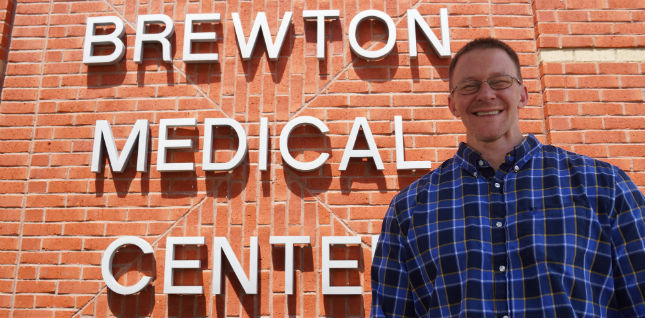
(470,159)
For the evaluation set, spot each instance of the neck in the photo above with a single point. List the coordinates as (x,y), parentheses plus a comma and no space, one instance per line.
(495,151)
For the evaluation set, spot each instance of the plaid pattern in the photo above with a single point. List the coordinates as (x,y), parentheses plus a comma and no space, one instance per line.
(549,234)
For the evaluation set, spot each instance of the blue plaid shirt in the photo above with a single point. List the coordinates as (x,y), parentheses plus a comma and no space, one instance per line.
(549,234)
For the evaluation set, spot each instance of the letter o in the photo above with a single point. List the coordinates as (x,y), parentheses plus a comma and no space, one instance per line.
(391,30)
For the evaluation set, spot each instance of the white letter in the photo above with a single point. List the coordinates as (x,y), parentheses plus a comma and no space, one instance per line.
(415,18)
(288,242)
(164,144)
(328,264)
(162,37)
(207,165)
(391,38)
(351,152)
(401,164)
(113,38)
(284,143)
(249,285)
(106,265)
(103,134)
(171,263)
(374,243)
(190,37)
(261,23)
(320,16)
(264,144)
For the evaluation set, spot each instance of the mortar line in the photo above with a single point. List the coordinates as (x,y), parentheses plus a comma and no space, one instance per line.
(317,198)
(29,160)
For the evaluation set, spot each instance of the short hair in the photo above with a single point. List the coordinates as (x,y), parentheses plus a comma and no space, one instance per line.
(485,43)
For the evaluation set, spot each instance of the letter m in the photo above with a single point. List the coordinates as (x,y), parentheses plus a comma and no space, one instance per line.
(103,135)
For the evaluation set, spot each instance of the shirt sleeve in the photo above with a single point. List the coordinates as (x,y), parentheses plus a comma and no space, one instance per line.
(391,292)
(628,238)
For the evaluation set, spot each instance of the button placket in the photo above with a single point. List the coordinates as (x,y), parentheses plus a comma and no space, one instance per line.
(500,252)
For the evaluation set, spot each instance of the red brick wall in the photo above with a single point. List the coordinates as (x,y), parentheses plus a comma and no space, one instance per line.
(58,217)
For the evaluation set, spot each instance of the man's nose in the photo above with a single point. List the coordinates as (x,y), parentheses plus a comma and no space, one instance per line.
(485,92)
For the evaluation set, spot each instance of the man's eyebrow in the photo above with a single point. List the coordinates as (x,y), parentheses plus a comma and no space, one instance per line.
(472,78)
(469,78)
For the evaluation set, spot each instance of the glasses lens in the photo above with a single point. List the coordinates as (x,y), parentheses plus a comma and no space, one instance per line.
(500,82)
(468,87)
(495,82)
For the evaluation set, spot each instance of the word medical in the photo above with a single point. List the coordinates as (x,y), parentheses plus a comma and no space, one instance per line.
(104,139)
(92,39)
(221,245)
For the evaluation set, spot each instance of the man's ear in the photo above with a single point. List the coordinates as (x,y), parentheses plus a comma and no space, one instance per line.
(524,97)
(451,106)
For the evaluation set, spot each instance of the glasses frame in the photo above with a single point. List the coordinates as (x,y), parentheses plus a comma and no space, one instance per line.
(454,89)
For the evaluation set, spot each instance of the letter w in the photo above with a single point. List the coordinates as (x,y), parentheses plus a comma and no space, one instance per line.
(246,49)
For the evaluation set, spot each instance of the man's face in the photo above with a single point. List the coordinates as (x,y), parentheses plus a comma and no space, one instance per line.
(489,115)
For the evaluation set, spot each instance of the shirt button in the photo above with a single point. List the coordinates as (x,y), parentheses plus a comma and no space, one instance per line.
(499,224)
(502,268)
(475,174)
(497,185)
(516,168)
(480,162)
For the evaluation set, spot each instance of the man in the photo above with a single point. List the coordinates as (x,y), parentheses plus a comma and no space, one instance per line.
(509,227)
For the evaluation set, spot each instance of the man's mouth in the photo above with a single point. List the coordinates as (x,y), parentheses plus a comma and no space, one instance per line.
(488,113)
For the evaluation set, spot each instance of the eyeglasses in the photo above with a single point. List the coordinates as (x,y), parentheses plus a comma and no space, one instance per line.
(498,82)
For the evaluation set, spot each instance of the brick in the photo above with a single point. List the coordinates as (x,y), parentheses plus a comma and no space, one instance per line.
(26,286)
(609,15)
(625,95)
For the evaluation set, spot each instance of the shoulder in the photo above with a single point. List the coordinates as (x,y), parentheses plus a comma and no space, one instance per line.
(574,163)
(574,159)
(607,179)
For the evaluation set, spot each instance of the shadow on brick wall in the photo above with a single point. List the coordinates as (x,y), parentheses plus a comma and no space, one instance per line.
(129,265)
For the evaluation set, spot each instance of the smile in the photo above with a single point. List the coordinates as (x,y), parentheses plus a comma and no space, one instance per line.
(489,113)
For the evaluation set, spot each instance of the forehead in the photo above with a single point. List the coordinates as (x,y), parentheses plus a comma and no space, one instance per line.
(481,63)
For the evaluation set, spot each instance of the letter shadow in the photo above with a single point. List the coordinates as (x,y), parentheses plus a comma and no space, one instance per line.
(361,173)
(206,72)
(276,67)
(189,305)
(226,184)
(152,57)
(374,32)
(426,55)
(333,42)
(251,304)
(306,143)
(102,76)
(342,306)
(302,262)
(123,182)
(131,262)
(180,184)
